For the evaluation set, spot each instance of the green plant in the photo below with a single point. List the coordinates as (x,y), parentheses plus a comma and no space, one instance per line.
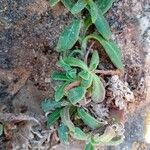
(78,84)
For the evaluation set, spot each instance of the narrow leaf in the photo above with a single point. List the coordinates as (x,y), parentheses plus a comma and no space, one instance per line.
(102,26)
(76,94)
(88,119)
(110,47)
(1,129)
(89,146)
(69,36)
(94,61)
(48,105)
(84,74)
(74,62)
(53,117)
(72,74)
(104,5)
(63,133)
(53,2)
(87,83)
(79,6)
(79,134)
(68,4)
(98,91)
(59,93)
(93,10)
(65,116)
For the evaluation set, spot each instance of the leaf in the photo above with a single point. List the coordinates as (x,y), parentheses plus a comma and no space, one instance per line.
(84,74)
(63,133)
(62,64)
(98,91)
(74,62)
(87,83)
(59,93)
(68,4)
(60,76)
(72,74)
(53,2)
(79,6)
(94,61)
(69,36)
(110,47)
(116,141)
(93,10)
(104,5)
(48,105)
(89,146)
(106,137)
(75,52)
(1,129)
(65,116)
(79,134)
(102,26)
(76,94)
(88,119)
(53,117)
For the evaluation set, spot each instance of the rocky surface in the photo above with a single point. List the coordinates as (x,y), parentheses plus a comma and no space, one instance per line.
(29,30)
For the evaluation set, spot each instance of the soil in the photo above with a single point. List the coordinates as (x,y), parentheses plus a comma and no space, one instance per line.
(29,30)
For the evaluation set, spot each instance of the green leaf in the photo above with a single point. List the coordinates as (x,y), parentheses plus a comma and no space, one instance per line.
(75,52)
(98,91)
(64,65)
(116,141)
(93,10)
(53,117)
(88,119)
(89,146)
(94,61)
(1,129)
(79,6)
(53,2)
(65,116)
(102,26)
(48,105)
(60,76)
(76,94)
(68,4)
(69,36)
(104,5)
(84,74)
(110,47)
(106,137)
(87,83)
(74,62)
(79,134)
(59,93)
(63,133)
(72,74)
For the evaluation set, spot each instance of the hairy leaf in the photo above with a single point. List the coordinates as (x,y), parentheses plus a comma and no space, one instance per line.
(48,105)
(74,62)
(88,119)
(79,6)
(93,10)
(1,129)
(53,2)
(98,91)
(86,24)
(79,134)
(84,74)
(68,4)
(75,52)
(60,76)
(76,94)
(110,47)
(72,74)
(102,26)
(104,5)
(89,146)
(87,83)
(63,133)
(53,117)
(65,116)
(94,61)
(59,93)
(69,36)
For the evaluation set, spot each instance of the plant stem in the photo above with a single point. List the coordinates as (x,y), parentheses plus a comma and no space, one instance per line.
(109,72)
(72,85)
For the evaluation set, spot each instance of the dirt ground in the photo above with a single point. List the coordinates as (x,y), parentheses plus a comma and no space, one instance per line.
(29,30)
